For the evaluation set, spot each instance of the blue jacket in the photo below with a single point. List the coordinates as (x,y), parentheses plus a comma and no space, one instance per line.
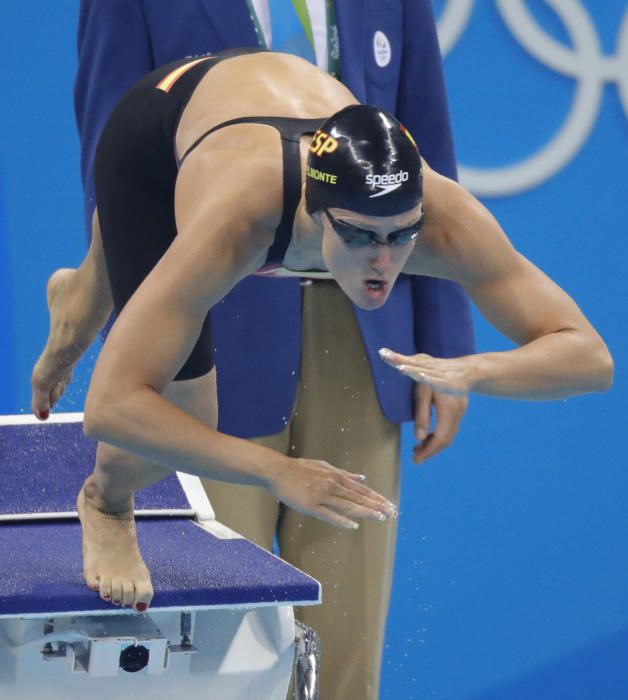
(257,327)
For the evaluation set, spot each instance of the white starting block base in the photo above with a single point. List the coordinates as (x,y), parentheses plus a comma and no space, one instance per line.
(220,626)
(233,654)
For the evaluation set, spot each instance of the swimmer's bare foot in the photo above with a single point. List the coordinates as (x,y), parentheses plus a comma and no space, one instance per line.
(112,563)
(76,316)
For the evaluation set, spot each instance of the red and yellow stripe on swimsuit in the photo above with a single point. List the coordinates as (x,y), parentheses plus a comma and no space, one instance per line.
(166,83)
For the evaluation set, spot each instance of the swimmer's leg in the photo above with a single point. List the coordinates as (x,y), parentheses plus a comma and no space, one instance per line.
(112,563)
(79,302)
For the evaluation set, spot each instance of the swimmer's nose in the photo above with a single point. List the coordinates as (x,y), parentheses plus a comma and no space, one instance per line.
(380,260)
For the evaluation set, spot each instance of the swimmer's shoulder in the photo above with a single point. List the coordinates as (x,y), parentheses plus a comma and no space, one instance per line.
(221,193)
(451,215)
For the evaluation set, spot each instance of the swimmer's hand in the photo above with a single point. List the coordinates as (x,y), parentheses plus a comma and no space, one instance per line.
(442,387)
(450,376)
(316,488)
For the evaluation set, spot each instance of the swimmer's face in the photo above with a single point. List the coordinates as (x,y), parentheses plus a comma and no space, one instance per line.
(366,254)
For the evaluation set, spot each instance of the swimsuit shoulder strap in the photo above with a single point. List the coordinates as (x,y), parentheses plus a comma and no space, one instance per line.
(291,130)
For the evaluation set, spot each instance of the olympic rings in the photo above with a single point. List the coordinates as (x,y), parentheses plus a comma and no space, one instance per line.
(585,63)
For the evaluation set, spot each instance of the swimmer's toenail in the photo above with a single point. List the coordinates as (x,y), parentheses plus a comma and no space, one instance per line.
(141,607)
(43,415)
(106,596)
(116,602)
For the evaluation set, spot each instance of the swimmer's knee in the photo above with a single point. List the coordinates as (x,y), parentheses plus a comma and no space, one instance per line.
(197,397)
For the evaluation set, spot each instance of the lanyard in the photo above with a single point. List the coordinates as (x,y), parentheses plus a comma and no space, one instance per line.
(333,42)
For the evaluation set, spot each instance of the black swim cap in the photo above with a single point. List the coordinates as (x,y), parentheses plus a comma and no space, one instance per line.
(364,160)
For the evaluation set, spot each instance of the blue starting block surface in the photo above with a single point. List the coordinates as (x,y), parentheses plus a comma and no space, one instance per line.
(191,569)
(44,466)
(193,566)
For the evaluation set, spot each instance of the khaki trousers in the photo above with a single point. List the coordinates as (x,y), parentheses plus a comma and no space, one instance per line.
(336,418)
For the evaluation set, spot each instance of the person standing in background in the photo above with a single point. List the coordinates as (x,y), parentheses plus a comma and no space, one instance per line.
(315,386)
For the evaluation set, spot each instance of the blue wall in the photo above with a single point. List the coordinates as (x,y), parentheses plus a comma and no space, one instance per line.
(512,568)
(512,571)
(40,192)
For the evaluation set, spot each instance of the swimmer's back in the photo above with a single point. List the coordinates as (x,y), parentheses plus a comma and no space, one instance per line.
(263,83)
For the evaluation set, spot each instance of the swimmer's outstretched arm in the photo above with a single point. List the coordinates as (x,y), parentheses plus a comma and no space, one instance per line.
(222,238)
(560,352)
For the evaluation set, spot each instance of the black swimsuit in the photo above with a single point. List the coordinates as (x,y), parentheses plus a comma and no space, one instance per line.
(135,175)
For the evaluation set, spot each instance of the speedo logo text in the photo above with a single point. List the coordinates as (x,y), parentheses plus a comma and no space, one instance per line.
(386,183)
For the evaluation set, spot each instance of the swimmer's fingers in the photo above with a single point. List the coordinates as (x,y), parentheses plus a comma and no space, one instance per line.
(329,516)
(348,507)
(347,497)
(341,508)
(422,410)
(314,487)
(356,477)
(365,498)
(449,376)
(449,411)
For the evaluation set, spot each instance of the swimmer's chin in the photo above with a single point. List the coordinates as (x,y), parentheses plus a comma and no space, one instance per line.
(369,305)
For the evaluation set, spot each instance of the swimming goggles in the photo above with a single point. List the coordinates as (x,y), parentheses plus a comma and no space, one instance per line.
(356,237)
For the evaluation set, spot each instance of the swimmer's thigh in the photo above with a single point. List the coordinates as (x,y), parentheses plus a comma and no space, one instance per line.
(135,186)
(338,419)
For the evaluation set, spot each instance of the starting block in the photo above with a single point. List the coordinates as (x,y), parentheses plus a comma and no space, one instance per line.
(221,624)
